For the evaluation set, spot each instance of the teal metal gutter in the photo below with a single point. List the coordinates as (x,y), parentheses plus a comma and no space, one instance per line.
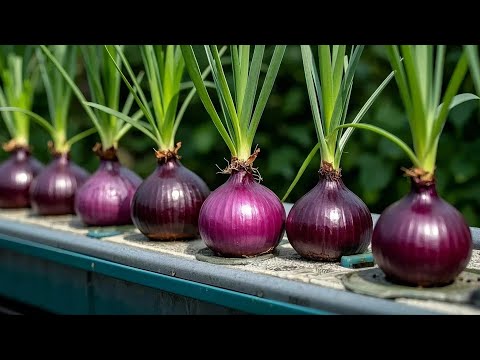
(203,292)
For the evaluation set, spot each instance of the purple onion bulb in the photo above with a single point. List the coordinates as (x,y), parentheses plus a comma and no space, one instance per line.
(167,203)
(242,218)
(421,239)
(53,191)
(16,176)
(104,199)
(328,222)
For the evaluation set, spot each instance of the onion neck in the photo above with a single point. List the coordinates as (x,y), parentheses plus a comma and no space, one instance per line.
(21,141)
(58,151)
(327,171)
(428,160)
(15,144)
(108,158)
(165,155)
(21,153)
(422,195)
(109,165)
(243,153)
(59,142)
(241,177)
(62,158)
(105,154)
(327,155)
(423,187)
(168,164)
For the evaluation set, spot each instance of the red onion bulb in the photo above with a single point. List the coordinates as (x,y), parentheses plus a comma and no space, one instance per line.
(53,191)
(16,175)
(242,218)
(421,239)
(167,203)
(104,199)
(328,222)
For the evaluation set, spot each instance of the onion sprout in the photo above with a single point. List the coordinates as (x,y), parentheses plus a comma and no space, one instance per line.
(472,53)
(419,71)
(19,76)
(58,97)
(104,84)
(329,90)
(164,67)
(240,116)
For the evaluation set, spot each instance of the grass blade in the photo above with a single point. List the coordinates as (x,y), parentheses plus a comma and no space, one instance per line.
(7,116)
(113,84)
(47,84)
(418,107)
(472,53)
(353,63)
(244,54)
(314,104)
(80,136)
(457,100)
(192,92)
(423,60)
(344,139)
(127,126)
(400,77)
(338,70)
(437,85)
(388,136)
(302,169)
(140,98)
(91,56)
(130,98)
(251,87)
(155,84)
(223,104)
(452,88)
(76,91)
(224,89)
(194,72)
(123,117)
(266,90)
(326,81)
(37,118)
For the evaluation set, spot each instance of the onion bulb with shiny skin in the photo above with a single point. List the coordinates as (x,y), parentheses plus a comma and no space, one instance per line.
(330,221)
(421,239)
(104,199)
(16,176)
(167,203)
(53,191)
(242,218)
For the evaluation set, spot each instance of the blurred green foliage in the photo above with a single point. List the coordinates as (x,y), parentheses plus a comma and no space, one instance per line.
(371,165)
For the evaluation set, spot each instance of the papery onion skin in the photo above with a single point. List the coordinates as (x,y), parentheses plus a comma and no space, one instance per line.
(167,203)
(329,222)
(53,191)
(16,176)
(421,239)
(105,198)
(242,218)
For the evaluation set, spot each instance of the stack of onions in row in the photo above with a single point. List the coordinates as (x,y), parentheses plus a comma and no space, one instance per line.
(419,240)
(18,75)
(167,203)
(330,221)
(104,199)
(242,218)
(52,192)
